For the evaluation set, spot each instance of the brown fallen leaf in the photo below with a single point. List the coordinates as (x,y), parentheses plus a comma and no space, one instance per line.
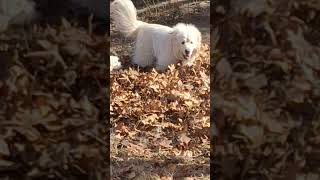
(271,123)
(4,149)
(256,82)
(166,143)
(184,139)
(254,133)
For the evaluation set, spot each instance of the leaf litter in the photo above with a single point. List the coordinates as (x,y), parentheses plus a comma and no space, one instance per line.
(160,113)
(266,89)
(51,122)
(160,121)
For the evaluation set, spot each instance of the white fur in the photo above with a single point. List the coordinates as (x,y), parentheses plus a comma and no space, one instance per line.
(153,42)
(114,63)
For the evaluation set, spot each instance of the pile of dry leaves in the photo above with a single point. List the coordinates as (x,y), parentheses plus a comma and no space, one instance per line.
(267,90)
(51,87)
(160,121)
(160,116)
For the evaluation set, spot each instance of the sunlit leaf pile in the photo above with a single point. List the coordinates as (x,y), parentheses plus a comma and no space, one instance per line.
(160,115)
(160,121)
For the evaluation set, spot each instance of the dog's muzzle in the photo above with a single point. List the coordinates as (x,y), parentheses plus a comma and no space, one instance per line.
(187,55)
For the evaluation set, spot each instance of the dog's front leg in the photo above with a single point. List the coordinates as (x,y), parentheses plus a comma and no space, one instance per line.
(163,61)
(161,68)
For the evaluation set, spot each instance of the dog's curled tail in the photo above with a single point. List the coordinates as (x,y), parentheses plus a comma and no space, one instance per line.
(124,15)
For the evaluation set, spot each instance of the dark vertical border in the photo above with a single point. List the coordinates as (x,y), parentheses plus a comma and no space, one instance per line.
(212,111)
(107,119)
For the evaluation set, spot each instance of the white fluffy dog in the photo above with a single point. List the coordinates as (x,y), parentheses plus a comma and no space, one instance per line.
(156,43)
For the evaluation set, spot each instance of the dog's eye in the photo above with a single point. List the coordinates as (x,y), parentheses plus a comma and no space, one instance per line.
(191,42)
(182,42)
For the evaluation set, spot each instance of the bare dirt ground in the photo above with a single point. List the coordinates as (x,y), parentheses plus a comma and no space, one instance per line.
(160,121)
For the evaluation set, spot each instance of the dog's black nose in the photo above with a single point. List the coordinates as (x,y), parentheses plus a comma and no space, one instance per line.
(187,52)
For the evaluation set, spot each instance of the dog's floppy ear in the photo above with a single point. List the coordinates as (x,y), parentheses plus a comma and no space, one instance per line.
(199,39)
(195,52)
(197,49)
(173,35)
(173,32)
(178,27)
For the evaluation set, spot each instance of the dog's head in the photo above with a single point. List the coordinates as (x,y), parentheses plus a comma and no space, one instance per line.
(186,41)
